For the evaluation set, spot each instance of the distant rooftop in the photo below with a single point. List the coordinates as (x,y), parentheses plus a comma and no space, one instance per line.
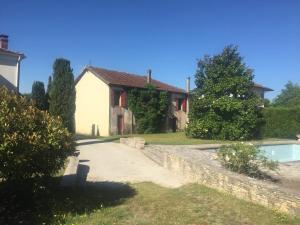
(262,87)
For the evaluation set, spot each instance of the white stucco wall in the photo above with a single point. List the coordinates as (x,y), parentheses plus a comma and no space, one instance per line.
(92,105)
(9,69)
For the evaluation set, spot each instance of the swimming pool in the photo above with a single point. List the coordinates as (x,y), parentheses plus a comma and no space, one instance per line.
(282,153)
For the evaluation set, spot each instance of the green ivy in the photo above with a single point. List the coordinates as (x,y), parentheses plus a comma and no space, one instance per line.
(149,107)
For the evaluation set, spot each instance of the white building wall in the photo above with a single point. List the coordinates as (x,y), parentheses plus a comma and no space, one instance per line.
(92,106)
(9,69)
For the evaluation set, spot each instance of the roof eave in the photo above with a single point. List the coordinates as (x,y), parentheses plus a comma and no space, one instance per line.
(87,68)
(13,54)
(267,89)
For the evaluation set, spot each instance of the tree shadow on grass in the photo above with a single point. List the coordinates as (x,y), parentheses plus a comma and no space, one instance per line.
(48,202)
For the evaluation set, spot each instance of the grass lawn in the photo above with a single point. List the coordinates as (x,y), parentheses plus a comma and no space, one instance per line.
(177,138)
(143,203)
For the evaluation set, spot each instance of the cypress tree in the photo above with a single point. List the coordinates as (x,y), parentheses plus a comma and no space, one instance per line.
(38,95)
(62,93)
(48,93)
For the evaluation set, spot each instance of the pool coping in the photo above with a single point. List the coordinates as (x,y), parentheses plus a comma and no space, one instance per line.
(263,143)
(208,147)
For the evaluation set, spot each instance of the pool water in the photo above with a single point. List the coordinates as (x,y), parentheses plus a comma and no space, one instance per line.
(282,153)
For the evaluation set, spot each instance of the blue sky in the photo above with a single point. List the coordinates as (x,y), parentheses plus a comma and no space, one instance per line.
(166,36)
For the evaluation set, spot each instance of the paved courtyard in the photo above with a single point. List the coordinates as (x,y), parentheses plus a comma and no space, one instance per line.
(114,162)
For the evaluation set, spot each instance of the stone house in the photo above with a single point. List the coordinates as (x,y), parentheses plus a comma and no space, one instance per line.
(10,62)
(101,102)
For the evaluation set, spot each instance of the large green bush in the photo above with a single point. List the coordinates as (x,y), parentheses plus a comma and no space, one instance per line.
(245,158)
(281,122)
(32,143)
(223,104)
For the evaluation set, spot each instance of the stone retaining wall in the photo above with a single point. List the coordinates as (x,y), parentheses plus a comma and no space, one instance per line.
(200,167)
(134,142)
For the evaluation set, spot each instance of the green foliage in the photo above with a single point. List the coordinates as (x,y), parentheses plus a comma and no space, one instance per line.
(48,92)
(245,158)
(62,93)
(27,96)
(289,97)
(38,95)
(267,103)
(281,122)
(223,105)
(32,143)
(149,107)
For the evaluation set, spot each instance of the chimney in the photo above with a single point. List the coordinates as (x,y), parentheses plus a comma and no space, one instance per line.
(149,72)
(188,84)
(3,41)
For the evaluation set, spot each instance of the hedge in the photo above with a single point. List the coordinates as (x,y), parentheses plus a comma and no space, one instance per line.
(281,122)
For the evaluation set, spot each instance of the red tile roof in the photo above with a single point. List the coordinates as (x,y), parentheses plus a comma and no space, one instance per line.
(112,77)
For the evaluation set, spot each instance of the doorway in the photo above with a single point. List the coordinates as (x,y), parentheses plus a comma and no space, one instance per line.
(120,125)
(174,124)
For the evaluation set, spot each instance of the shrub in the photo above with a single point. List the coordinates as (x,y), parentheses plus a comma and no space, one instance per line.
(245,158)
(281,122)
(32,143)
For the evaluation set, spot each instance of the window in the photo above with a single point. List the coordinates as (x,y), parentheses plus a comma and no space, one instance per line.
(116,100)
(179,103)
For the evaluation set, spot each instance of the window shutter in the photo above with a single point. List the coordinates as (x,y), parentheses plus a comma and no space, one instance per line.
(123,99)
(184,105)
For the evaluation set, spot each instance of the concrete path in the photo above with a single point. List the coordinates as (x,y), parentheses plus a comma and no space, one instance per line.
(115,162)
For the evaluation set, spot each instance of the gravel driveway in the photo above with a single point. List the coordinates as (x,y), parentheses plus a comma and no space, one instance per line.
(114,162)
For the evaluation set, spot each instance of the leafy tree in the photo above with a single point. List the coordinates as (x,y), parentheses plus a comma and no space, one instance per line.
(62,93)
(289,96)
(38,95)
(149,108)
(223,105)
